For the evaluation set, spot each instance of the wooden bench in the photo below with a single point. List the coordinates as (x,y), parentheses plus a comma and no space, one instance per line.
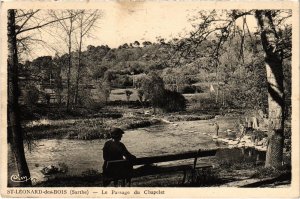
(122,169)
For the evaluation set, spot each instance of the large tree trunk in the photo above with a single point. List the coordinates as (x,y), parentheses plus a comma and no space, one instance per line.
(14,125)
(274,68)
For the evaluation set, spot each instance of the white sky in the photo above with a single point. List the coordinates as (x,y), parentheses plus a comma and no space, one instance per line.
(125,23)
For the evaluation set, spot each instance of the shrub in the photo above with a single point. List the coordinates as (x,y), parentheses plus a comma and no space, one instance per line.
(88,102)
(31,95)
(140,95)
(90,172)
(188,89)
(122,81)
(202,103)
(271,172)
(128,94)
(173,101)
(153,88)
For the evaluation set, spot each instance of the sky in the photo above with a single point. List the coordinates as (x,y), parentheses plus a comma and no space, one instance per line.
(125,23)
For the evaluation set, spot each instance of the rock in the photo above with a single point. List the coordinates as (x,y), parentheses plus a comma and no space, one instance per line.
(54,169)
(223,140)
(233,142)
(240,145)
(247,144)
(261,148)
(147,112)
(51,169)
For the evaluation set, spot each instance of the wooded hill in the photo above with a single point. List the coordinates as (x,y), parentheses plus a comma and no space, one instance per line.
(241,75)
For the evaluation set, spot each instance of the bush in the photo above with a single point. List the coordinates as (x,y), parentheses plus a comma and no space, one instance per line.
(89,102)
(267,172)
(187,89)
(90,172)
(202,103)
(288,139)
(173,101)
(128,94)
(190,117)
(31,95)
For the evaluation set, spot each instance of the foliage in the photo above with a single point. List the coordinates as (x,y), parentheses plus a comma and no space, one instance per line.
(31,95)
(183,62)
(288,87)
(102,92)
(271,171)
(189,117)
(140,94)
(173,101)
(200,103)
(190,89)
(90,173)
(128,93)
(234,72)
(153,87)
(87,100)
(122,81)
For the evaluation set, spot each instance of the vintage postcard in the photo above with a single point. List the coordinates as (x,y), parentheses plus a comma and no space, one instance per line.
(149,99)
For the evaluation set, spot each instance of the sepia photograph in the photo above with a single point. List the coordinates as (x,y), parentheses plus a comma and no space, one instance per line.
(136,94)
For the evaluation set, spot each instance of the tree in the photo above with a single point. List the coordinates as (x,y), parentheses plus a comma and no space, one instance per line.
(31,95)
(153,87)
(244,81)
(86,21)
(174,101)
(15,132)
(128,93)
(221,26)
(276,103)
(140,95)
(146,43)
(105,90)
(136,44)
(68,28)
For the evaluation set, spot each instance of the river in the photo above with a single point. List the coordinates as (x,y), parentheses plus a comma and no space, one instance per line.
(81,155)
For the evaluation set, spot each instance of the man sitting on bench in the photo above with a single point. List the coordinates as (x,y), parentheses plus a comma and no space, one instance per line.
(114,149)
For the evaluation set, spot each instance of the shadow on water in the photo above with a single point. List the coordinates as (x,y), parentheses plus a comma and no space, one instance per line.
(240,154)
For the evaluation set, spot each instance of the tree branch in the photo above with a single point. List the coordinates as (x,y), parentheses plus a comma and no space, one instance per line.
(28,18)
(42,25)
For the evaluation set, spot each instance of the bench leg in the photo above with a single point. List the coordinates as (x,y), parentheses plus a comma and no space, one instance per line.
(128,182)
(123,182)
(184,176)
(194,175)
(116,182)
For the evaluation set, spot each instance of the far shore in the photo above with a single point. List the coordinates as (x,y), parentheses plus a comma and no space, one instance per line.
(88,128)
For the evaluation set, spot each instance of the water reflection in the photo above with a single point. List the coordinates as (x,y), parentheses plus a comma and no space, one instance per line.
(81,155)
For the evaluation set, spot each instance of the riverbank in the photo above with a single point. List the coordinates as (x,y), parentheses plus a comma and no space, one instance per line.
(97,125)
(85,129)
(224,174)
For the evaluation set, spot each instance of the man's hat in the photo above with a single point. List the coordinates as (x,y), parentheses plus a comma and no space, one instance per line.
(115,132)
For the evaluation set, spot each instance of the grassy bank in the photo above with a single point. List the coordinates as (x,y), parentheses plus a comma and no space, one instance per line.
(222,175)
(192,117)
(85,128)
(87,124)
